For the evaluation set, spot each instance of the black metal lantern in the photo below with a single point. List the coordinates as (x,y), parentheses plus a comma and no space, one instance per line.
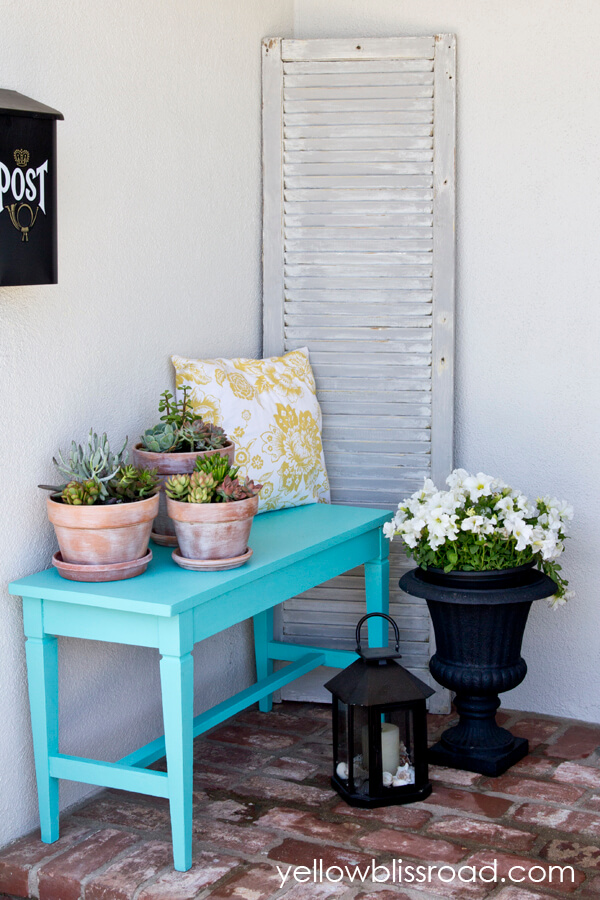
(27,190)
(379,728)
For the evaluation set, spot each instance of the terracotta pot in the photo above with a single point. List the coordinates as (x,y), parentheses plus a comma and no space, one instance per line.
(168,464)
(94,535)
(212,530)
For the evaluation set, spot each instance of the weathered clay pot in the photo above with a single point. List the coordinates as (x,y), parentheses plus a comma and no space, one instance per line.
(212,530)
(94,535)
(168,464)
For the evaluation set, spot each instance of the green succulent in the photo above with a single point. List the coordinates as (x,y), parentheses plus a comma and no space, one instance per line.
(177,487)
(181,429)
(131,483)
(207,436)
(77,493)
(163,438)
(237,489)
(94,462)
(217,466)
(202,488)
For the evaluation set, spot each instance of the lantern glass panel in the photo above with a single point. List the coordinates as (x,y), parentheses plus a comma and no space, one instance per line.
(359,770)
(398,750)
(340,738)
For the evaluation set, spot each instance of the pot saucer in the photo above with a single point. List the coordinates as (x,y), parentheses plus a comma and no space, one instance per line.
(164,540)
(211,565)
(101,572)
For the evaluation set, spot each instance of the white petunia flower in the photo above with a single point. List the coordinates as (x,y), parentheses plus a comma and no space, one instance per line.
(479,485)
(521,531)
(389,530)
(456,478)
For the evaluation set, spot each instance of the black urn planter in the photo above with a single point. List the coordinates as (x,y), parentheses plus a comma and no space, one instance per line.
(479,619)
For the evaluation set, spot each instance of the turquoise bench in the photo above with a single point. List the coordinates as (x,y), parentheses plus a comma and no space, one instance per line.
(172,609)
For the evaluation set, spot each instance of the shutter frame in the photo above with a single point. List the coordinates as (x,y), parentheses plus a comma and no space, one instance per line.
(407,71)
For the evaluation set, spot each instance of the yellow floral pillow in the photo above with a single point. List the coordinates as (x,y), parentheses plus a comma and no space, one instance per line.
(269,407)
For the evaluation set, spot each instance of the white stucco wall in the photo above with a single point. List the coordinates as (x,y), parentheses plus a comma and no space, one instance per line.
(159,201)
(528,321)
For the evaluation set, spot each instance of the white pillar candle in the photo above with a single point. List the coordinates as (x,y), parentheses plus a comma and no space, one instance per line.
(390,747)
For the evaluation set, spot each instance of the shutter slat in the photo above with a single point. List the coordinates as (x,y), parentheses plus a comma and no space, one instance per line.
(354,257)
(352,181)
(354,130)
(363,83)
(358,168)
(304,215)
(339,282)
(371,298)
(392,155)
(382,245)
(311,107)
(380,143)
(307,320)
(353,382)
(365,199)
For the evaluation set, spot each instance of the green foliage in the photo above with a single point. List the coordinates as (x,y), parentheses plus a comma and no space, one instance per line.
(202,487)
(217,466)
(180,429)
(94,462)
(213,481)
(207,436)
(178,413)
(177,487)
(131,483)
(84,493)
(162,438)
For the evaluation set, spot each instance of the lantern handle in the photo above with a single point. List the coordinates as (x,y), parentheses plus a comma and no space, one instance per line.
(383,616)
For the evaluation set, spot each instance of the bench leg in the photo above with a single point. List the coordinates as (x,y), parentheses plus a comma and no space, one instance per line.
(263,633)
(177,685)
(377,578)
(42,674)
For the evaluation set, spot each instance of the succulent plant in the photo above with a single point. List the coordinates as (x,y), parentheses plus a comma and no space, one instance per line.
(207,436)
(177,412)
(181,429)
(237,489)
(160,439)
(94,462)
(217,466)
(84,493)
(177,487)
(202,488)
(131,483)
(213,481)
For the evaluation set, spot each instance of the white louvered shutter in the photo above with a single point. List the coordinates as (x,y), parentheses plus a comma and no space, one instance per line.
(358,265)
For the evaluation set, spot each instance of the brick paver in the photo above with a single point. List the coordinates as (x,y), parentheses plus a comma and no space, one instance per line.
(263,803)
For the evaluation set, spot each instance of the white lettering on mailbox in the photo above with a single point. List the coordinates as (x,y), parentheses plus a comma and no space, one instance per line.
(20,183)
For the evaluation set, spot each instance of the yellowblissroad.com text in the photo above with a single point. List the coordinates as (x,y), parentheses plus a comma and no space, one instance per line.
(398,872)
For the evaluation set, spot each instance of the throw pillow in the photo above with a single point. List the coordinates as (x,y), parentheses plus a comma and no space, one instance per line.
(269,407)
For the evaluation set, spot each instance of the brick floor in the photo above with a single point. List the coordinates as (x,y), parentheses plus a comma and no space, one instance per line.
(263,806)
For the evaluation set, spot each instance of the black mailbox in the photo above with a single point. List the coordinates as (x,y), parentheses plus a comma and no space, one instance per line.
(28,253)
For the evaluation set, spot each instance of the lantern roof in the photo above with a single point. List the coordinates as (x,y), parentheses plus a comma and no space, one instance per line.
(14,104)
(362,684)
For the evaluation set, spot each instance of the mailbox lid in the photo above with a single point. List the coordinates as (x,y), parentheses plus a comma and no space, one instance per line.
(14,104)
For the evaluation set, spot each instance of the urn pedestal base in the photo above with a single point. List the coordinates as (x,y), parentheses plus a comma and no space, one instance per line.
(484,761)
